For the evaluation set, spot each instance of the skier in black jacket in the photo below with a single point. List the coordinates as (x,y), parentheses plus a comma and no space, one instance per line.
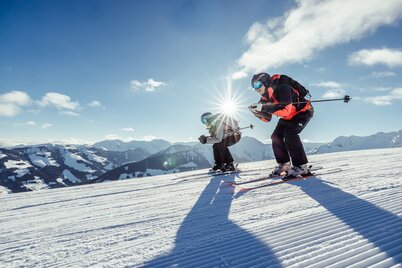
(284,97)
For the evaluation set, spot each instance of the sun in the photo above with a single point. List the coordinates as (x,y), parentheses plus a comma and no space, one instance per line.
(227,101)
(229,107)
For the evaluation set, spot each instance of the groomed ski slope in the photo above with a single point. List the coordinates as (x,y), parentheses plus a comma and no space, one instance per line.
(351,216)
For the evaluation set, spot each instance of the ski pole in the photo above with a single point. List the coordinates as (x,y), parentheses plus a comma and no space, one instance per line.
(345,99)
(250,126)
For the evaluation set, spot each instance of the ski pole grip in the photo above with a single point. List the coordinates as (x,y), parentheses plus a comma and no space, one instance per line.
(346,99)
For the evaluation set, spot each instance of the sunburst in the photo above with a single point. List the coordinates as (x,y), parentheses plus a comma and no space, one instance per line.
(228,101)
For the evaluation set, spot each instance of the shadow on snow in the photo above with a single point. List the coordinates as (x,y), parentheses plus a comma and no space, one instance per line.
(207,237)
(381,227)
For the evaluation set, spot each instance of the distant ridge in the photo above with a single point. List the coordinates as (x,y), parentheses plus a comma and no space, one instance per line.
(352,143)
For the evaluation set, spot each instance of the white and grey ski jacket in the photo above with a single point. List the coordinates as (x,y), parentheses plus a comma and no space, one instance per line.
(222,127)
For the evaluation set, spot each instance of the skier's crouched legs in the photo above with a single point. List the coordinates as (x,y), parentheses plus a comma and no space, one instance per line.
(226,142)
(231,140)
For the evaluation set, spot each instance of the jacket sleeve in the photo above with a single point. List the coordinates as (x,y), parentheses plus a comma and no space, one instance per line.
(284,97)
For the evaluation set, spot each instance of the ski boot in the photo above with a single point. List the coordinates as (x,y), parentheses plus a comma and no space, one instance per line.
(280,169)
(216,168)
(298,172)
(228,167)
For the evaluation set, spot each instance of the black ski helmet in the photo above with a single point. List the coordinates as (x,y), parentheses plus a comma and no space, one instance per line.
(205,117)
(263,77)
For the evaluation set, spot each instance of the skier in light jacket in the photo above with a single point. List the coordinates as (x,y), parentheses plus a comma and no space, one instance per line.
(223,132)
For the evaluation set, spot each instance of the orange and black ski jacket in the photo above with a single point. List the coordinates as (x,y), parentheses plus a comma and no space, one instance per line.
(284,98)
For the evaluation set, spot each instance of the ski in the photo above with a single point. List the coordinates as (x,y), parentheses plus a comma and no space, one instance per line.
(312,168)
(233,183)
(287,180)
(224,172)
(219,173)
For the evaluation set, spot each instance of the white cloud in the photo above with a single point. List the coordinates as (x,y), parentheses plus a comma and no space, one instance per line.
(117,137)
(382,74)
(9,109)
(334,89)
(239,75)
(33,124)
(328,84)
(386,99)
(385,56)
(29,123)
(70,140)
(96,104)
(149,138)
(311,27)
(128,129)
(334,94)
(150,86)
(46,125)
(16,97)
(11,102)
(60,101)
(112,137)
(69,113)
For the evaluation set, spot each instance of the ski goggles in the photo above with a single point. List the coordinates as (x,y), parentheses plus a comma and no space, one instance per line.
(204,120)
(257,85)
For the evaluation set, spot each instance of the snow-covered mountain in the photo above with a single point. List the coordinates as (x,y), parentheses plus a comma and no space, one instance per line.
(49,165)
(43,166)
(179,158)
(36,167)
(176,158)
(379,140)
(250,149)
(147,147)
(349,215)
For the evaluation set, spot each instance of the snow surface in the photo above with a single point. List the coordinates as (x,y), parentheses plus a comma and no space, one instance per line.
(93,157)
(35,185)
(4,190)
(73,160)
(349,216)
(43,160)
(17,164)
(20,167)
(70,176)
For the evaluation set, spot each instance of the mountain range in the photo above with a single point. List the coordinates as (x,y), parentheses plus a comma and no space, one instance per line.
(27,168)
(353,143)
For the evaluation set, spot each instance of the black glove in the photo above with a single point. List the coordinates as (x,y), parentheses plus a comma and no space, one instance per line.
(255,108)
(202,139)
(264,116)
(263,108)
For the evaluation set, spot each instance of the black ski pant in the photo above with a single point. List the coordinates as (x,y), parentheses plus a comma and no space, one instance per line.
(222,154)
(286,142)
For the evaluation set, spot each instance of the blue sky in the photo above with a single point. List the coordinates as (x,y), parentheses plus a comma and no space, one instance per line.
(85,71)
